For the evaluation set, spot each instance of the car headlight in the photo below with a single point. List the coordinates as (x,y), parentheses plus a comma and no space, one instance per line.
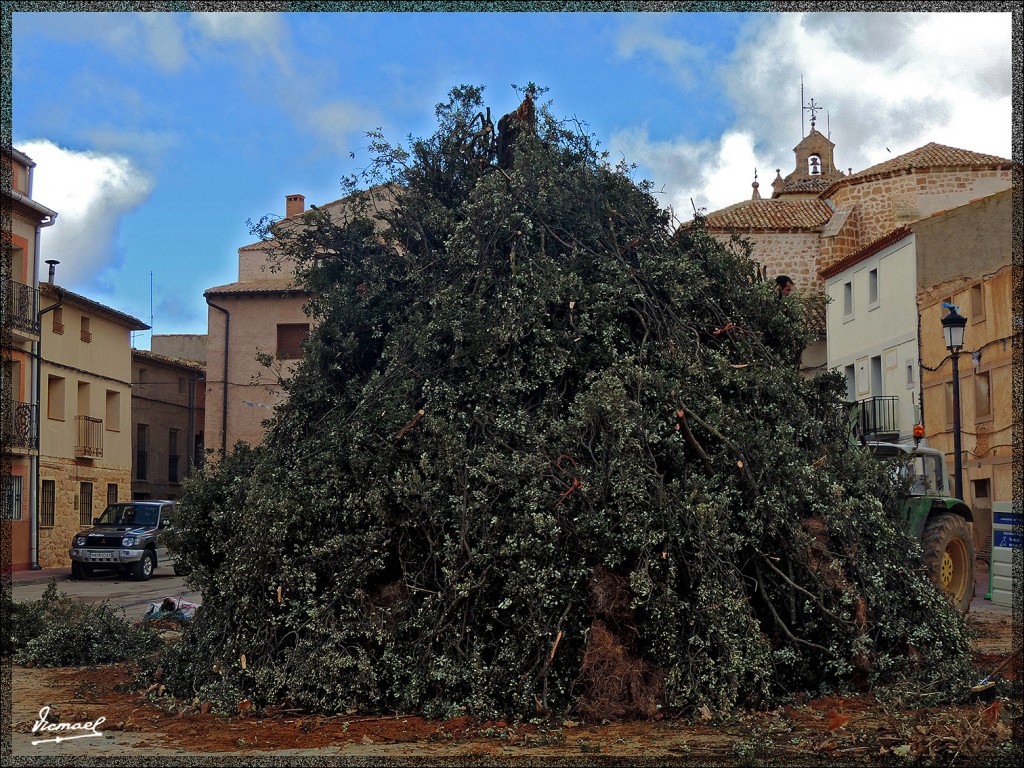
(79,541)
(128,541)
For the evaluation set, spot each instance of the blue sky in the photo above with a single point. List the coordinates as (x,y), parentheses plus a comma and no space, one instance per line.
(157,136)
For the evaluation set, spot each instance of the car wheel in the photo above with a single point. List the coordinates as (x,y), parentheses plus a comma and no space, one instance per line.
(80,571)
(143,569)
(181,570)
(949,554)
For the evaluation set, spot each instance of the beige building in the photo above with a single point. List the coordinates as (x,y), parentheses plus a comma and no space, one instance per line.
(258,315)
(85,415)
(965,259)
(19,282)
(261,315)
(168,420)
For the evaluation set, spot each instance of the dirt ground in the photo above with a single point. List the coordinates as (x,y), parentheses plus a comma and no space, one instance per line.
(831,731)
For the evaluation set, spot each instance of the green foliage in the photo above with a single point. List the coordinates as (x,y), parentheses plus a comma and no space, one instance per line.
(62,631)
(527,383)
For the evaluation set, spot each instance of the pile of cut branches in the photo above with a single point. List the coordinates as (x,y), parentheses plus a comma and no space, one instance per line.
(546,453)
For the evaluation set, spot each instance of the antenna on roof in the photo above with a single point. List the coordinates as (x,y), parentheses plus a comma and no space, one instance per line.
(828,125)
(151,309)
(801,106)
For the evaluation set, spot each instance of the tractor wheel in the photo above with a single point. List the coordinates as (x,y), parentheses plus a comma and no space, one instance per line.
(949,554)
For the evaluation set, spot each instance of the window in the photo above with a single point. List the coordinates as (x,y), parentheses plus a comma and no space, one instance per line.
(85,504)
(111,493)
(86,333)
(981,489)
(113,410)
(876,375)
(289,340)
(977,302)
(850,372)
(142,452)
(982,396)
(58,321)
(873,287)
(83,398)
(847,299)
(172,456)
(12,498)
(55,397)
(48,503)
(910,375)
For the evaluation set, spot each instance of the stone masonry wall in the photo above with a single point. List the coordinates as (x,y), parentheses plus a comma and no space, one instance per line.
(68,475)
(794,254)
(884,204)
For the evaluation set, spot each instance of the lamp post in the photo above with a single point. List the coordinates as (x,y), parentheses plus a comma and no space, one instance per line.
(953,326)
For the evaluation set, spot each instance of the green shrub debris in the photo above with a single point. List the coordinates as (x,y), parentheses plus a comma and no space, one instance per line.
(546,452)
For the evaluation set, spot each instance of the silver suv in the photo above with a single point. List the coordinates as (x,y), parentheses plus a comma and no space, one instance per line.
(127,537)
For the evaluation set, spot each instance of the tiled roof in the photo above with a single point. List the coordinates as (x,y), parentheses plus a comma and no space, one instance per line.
(51,291)
(178,361)
(802,185)
(932,156)
(282,285)
(771,214)
(868,250)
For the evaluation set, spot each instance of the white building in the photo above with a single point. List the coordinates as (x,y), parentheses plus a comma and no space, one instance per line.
(872,337)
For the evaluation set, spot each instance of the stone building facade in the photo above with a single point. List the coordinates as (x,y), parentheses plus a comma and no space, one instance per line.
(965,258)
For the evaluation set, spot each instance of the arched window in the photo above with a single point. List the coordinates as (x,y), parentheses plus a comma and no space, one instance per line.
(814,165)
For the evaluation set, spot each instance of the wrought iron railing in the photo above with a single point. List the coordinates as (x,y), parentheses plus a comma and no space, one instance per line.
(20,302)
(879,415)
(90,437)
(19,426)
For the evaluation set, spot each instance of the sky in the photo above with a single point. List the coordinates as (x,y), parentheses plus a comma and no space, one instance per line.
(159,136)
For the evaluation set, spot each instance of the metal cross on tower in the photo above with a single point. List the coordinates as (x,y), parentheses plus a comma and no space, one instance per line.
(812,108)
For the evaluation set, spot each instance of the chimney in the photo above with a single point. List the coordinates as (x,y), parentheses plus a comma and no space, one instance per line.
(294,205)
(53,268)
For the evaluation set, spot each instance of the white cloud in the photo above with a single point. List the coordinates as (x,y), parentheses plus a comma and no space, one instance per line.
(645,37)
(694,174)
(886,80)
(265,35)
(889,83)
(91,193)
(338,123)
(132,37)
(165,40)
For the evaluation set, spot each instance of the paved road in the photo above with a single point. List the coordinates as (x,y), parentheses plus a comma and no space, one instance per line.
(133,596)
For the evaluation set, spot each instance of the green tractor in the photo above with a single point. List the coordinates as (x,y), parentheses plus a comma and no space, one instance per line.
(941,522)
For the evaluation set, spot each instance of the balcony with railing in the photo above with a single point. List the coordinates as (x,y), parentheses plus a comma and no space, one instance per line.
(19,307)
(19,427)
(90,437)
(879,417)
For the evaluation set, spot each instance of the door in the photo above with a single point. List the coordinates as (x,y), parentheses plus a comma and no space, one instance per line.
(166,520)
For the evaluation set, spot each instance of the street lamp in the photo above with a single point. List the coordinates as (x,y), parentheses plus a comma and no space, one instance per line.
(953,326)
